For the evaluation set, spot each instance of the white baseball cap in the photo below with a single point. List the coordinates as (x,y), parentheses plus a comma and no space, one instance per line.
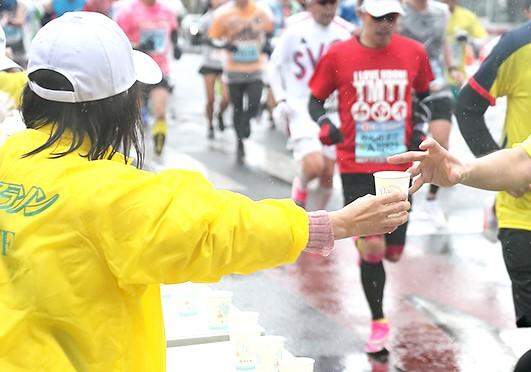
(379,8)
(5,63)
(93,53)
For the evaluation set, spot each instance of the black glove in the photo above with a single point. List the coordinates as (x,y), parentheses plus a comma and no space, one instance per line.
(147,45)
(177,52)
(329,133)
(421,111)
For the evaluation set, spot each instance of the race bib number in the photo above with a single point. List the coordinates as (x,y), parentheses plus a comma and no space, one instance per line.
(248,52)
(156,39)
(375,141)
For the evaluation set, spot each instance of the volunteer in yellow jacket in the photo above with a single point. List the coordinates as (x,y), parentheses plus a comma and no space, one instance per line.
(86,238)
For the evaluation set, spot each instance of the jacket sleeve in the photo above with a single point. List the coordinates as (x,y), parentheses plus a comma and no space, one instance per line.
(175,227)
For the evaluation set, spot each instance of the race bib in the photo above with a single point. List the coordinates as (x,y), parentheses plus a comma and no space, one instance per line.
(248,52)
(155,38)
(375,141)
(13,34)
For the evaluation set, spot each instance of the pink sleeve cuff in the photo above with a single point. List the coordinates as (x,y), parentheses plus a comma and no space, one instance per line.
(321,239)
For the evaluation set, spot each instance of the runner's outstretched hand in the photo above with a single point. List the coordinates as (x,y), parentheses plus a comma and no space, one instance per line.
(370,215)
(436,165)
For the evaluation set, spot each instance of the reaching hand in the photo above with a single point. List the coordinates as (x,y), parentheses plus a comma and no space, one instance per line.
(436,165)
(370,215)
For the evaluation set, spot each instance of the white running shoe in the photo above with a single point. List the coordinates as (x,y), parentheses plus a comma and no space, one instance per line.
(436,214)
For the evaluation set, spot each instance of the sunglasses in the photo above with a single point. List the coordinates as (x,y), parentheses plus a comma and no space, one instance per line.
(391,18)
(325,2)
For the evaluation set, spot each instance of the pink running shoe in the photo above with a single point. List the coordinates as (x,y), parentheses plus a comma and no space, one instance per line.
(298,194)
(378,339)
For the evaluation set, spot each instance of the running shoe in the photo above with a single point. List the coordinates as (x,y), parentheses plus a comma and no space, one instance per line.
(436,214)
(298,193)
(377,340)
(211,133)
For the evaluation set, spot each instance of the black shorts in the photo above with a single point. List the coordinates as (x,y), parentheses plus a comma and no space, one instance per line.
(516,245)
(356,185)
(441,106)
(203,70)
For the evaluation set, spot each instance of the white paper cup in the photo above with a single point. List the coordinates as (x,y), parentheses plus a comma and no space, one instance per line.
(270,353)
(387,182)
(218,310)
(245,347)
(298,364)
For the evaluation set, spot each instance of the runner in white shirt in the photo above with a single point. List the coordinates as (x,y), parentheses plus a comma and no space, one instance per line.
(292,63)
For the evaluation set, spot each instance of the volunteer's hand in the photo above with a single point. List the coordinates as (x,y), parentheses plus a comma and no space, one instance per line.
(436,165)
(370,215)
(329,134)
(281,115)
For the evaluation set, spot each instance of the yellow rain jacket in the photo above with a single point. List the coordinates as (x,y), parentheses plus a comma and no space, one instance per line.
(85,244)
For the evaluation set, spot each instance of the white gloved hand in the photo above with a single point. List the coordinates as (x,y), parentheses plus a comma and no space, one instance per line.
(281,115)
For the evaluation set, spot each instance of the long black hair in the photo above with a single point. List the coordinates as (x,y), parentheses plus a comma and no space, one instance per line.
(111,124)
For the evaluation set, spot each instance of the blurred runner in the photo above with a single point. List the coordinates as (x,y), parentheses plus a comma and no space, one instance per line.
(292,64)
(426,22)
(152,28)
(212,69)
(12,19)
(505,73)
(464,30)
(243,25)
(281,10)
(375,76)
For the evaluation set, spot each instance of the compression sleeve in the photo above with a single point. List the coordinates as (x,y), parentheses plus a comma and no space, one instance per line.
(470,110)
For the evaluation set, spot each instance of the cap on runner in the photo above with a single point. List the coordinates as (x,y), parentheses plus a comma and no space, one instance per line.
(379,8)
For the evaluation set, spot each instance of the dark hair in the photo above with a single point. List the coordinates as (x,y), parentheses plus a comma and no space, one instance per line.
(111,124)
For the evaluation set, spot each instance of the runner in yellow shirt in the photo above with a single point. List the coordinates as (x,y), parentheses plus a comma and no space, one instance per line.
(86,238)
(463,29)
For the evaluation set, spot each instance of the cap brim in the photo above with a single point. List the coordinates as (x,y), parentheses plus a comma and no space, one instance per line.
(8,64)
(146,69)
(381,8)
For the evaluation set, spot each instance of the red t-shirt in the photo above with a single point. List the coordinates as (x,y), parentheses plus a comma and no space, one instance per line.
(374,91)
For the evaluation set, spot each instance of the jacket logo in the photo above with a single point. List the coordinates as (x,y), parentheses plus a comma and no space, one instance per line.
(14,199)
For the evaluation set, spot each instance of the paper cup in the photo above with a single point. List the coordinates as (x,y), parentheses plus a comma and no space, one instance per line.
(299,364)
(270,353)
(218,310)
(387,182)
(245,347)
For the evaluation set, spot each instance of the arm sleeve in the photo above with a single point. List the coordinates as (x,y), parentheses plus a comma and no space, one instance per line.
(469,112)
(316,108)
(175,227)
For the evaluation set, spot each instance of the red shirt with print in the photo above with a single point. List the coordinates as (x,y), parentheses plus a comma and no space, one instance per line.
(374,91)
